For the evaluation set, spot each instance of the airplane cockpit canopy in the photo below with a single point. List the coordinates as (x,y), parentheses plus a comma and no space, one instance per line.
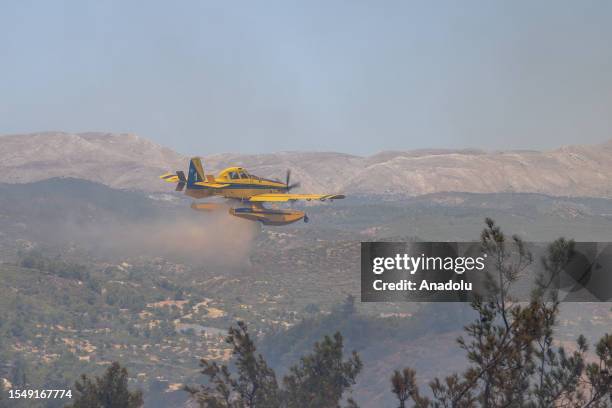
(234,173)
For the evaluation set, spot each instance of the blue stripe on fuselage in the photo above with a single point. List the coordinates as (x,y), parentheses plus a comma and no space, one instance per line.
(235,186)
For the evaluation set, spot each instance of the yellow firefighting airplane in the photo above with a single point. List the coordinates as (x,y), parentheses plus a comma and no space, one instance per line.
(251,191)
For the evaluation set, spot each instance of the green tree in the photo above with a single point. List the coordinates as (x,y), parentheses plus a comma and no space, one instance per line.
(109,391)
(510,347)
(403,385)
(255,385)
(318,380)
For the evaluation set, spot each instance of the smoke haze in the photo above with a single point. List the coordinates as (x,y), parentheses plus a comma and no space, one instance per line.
(200,239)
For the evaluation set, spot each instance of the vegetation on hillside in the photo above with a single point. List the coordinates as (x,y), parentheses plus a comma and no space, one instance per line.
(108,391)
(514,361)
(66,309)
(319,380)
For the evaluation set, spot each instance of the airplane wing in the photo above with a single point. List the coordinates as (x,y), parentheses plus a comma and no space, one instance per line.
(293,197)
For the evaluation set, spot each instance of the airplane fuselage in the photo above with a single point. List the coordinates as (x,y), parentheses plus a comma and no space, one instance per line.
(235,189)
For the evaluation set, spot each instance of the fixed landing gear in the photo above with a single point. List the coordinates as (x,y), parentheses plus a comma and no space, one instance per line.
(306,219)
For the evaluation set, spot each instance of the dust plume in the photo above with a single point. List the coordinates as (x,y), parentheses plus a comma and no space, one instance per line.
(195,238)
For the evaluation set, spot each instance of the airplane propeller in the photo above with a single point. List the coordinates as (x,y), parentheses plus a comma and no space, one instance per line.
(287,179)
(182,181)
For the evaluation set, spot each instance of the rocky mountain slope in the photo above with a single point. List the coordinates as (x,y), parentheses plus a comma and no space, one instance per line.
(129,161)
(117,160)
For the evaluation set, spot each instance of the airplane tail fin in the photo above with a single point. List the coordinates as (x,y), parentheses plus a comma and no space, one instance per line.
(196,171)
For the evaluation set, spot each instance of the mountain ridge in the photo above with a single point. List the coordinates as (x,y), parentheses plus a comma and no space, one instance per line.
(129,161)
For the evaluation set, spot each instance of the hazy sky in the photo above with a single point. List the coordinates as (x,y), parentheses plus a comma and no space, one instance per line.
(351,76)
